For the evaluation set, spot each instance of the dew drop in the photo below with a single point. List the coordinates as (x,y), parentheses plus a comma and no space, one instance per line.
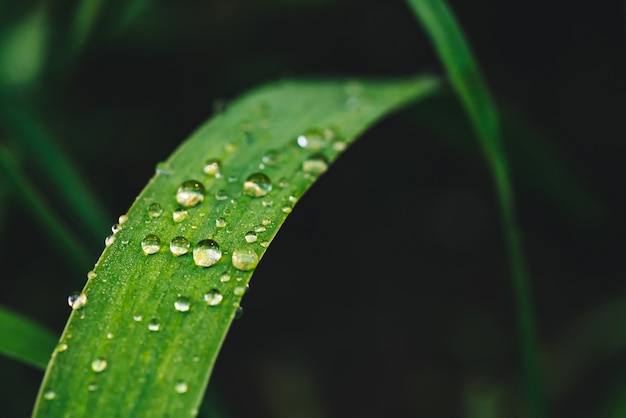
(122,219)
(155,210)
(162,168)
(137,318)
(240,290)
(207,253)
(98,365)
(91,275)
(220,222)
(286,209)
(271,158)
(154,325)
(110,335)
(213,297)
(225,277)
(179,245)
(313,139)
(340,145)
(190,193)
(257,185)
(260,228)
(212,166)
(150,244)
(250,237)
(266,222)
(62,347)
(49,395)
(92,387)
(283,182)
(182,304)
(238,312)
(109,240)
(316,164)
(264,244)
(245,259)
(116,228)
(181,387)
(221,194)
(179,215)
(77,300)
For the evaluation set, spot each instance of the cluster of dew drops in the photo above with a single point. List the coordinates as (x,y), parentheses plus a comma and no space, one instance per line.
(207,252)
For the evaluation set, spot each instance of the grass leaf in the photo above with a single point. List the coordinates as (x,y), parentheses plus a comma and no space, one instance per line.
(145,342)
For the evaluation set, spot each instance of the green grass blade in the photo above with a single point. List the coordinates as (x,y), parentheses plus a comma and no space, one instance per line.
(60,234)
(158,357)
(24,340)
(466,79)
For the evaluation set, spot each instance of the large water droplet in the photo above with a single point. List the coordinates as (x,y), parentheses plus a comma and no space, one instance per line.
(207,253)
(154,325)
(77,300)
(313,139)
(213,297)
(49,395)
(250,236)
(182,304)
(190,193)
(316,164)
(245,259)
(179,215)
(155,210)
(180,245)
(181,387)
(257,185)
(212,166)
(98,365)
(150,244)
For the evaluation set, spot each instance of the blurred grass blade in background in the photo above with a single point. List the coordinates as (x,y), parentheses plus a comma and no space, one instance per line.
(144,334)
(25,340)
(466,79)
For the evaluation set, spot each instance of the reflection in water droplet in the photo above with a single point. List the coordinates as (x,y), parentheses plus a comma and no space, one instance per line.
(207,253)
(245,259)
(49,395)
(154,325)
(109,240)
(181,387)
(213,297)
(250,236)
(257,185)
(212,166)
(98,365)
(220,222)
(150,244)
(182,304)
(179,215)
(155,210)
(316,164)
(190,193)
(77,300)
(179,246)
(313,139)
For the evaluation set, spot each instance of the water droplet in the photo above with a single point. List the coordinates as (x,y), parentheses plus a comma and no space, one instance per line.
(232,179)
(340,145)
(212,166)
(283,182)
(221,194)
(162,168)
(62,347)
(150,244)
(190,193)
(260,228)
(257,185)
(316,164)
(182,304)
(154,325)
(271,158)
(220,222)
(286,209)
(110,335)
(98,365)
(179,245)
(213,297)
(137,318)
(313,139)
(179,215)
(116,228)
(225,277)
(250,236)
(91,275)
(240,290)
(266,222)
(77,300)
(267,203)
(207,253)
(181,387)
(49,395)
(122,219)
(238,312)
(92,387)
(109,240)
(245,259)
(155,210)
(264,244)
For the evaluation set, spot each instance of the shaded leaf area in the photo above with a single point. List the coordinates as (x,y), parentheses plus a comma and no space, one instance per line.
(150,322)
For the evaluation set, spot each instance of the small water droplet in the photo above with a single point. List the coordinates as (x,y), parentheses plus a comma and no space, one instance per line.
(260,228)
(238,312)
(257,185)
(220,222)
(207,253)
(240,290)
(98,365)
(109,240)
(62,347)
(125,242)
(286,209)
(212,166)
(283,182)
(92,387)
(316,164)
(150,244)
(313,139)
(340,145)
(179,215)
(232,179)
(181,387)
(264,244)
(221,194)
(49,395)
(137,318)
(225,277)
(154,325)
(91,275)
(182,304)
(110,335)
(213,297)
(155,210)
(267,203)
(116,228)
(163,168)
(250,236)
(190,193)
(122,219)
(77,300)
(271,158)
(245,259)
(179,245)
(266,222)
